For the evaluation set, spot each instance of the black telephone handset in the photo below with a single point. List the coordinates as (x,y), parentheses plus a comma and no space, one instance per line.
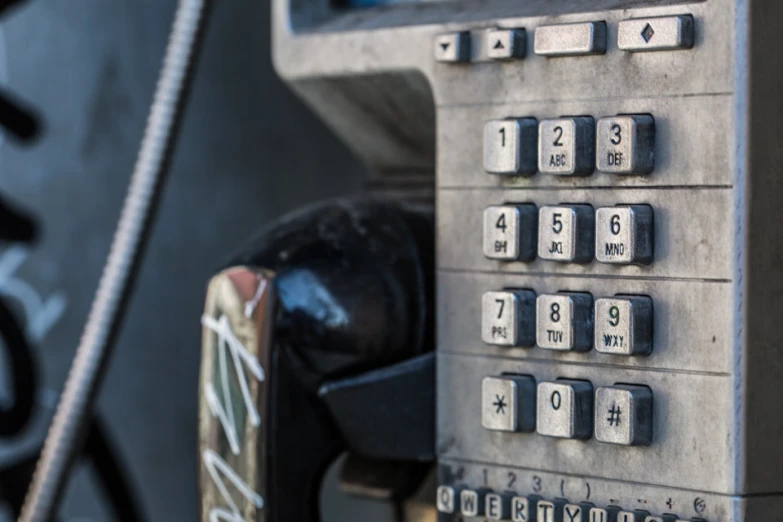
(317,340)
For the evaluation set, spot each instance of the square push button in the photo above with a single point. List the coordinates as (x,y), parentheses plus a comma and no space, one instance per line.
(624,235)
(506,44)
(566,146)
(452,47)
(507,318)
(624,415)
(566,232)
(565,409)
(510,146)
(510,232)
(564,321)
(508,403)
(626,144)
(447,498)
(497,506)
(471,503)
(624,325)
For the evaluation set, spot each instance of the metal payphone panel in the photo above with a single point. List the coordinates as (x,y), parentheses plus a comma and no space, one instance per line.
(604,173)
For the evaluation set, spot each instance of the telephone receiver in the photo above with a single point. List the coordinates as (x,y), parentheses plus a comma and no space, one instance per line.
(317,340)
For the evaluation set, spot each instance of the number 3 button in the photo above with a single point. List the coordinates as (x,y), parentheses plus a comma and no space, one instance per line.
(626,144)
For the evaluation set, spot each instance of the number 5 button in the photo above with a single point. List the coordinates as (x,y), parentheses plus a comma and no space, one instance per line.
(624,234)
(624,325)
(565,233)
(626,144)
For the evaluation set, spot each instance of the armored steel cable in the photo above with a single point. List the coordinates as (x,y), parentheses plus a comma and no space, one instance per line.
(66,431)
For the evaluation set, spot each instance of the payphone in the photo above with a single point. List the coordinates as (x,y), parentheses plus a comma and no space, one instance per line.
(607,178)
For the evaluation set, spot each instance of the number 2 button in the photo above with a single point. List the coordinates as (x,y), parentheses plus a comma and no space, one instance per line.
(566,146)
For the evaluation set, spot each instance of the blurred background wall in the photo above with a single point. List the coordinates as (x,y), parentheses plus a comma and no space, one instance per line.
(249,151)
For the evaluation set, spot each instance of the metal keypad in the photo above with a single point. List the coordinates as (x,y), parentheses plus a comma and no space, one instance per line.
(510,232)
(624,325)
(626,144)
(624,415)
(624,234)
(508,403)
(510,146)
(505,44)
(564,321)
(565,409)
(566,232)
(566,146)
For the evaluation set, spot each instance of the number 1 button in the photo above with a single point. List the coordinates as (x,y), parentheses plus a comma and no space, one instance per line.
(510,146)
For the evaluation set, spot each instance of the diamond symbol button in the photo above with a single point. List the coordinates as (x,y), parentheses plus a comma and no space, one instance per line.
(647,33)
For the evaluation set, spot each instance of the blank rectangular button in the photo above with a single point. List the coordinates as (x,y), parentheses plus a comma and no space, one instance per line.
(656,34)
(570,39)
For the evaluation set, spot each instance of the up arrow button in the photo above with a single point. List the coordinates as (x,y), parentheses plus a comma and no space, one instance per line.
(506,44)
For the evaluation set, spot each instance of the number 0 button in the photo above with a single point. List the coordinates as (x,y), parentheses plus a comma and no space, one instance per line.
(565,409)
(624,234)
(626,144)
(565,233)
(566,146)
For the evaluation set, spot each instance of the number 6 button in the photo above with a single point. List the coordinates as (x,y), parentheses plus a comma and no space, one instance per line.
(624,234)
(624,325)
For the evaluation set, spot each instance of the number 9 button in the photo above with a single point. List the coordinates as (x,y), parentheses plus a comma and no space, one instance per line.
(624,325)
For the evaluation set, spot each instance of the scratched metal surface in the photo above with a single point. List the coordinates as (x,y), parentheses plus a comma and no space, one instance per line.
(91,69)
(721,461)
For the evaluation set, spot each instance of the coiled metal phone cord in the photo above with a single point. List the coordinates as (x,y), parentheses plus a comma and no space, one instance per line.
(66,431)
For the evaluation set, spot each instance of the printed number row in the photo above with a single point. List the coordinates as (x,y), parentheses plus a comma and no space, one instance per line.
(623,234)
(568,321)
